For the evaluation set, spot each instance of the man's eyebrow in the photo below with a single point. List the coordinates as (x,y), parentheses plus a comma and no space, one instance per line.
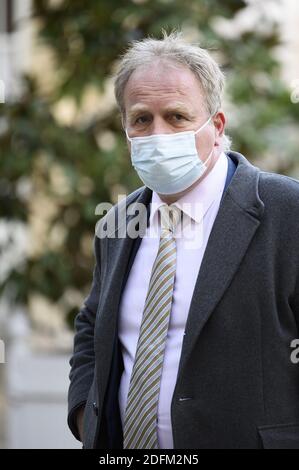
(136,110)
(175,107)
(178,107)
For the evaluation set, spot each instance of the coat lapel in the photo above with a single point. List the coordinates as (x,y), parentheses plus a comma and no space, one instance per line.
(237,220)
(118,254)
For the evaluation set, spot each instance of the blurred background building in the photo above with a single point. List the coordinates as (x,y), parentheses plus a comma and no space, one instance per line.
(62,152)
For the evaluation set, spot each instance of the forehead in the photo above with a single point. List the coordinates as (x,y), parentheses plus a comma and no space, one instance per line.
(161,83)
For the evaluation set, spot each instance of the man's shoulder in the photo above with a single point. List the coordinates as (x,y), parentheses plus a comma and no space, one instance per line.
(110,220)
(127,200)
(132,197)
(280,189)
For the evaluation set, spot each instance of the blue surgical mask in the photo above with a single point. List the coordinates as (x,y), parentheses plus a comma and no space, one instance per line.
(168,163)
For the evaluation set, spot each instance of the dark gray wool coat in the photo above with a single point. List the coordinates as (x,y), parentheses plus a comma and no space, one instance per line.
(239,384)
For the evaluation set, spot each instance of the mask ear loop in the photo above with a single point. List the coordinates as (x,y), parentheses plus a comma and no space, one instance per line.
(129,138)
(209,157)
(204,125)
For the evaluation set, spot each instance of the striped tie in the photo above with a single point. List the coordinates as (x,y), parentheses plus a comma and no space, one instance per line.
(140,423)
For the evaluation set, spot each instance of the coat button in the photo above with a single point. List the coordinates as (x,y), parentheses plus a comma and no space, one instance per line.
(95,409)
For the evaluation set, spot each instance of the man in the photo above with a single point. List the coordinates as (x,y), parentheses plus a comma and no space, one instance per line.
(189,346)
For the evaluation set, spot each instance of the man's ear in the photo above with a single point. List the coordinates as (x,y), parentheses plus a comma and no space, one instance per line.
(219,121)
(123,121)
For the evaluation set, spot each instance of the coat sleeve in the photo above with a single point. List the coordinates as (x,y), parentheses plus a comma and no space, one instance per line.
(294,299)
(82,361)
(296,303)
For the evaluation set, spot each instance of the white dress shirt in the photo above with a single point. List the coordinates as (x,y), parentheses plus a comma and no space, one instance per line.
(200,207)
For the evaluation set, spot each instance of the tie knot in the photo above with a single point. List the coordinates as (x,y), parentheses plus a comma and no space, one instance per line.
(170,216)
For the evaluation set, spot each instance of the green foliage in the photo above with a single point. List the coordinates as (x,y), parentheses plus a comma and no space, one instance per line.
(86,38)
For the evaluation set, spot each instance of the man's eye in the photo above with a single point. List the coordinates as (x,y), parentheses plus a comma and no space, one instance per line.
(178,117)
(141,120)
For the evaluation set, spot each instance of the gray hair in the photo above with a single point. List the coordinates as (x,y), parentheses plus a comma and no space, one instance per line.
(172,48)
